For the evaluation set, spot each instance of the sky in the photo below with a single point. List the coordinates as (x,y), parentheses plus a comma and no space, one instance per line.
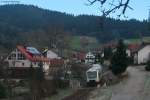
(78,7)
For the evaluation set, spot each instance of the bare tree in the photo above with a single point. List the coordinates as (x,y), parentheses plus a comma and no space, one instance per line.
(112,6)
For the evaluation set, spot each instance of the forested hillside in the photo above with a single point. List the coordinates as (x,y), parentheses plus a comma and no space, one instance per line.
(32,25)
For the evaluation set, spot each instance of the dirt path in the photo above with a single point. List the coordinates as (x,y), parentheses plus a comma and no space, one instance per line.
(132,88)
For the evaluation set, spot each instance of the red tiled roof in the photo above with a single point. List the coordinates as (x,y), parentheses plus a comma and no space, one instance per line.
(26,54)
(39,58)
(111,45)
(133,47)
(79,56)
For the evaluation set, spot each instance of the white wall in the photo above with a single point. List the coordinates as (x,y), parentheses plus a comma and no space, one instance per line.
(89,58)
(51,55)
(128,52)
(144,54)
(20,63)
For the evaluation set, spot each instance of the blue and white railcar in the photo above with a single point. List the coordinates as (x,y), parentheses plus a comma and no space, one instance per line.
(94,74)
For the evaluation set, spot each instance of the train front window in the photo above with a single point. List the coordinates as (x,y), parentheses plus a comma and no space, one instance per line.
(92,74)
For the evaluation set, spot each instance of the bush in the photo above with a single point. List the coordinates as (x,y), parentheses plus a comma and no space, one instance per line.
(148,66)
(3,93)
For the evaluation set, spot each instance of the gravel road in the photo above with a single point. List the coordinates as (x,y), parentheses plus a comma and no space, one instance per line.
(135,87)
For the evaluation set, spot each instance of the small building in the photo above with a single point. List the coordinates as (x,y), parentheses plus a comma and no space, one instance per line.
(79,56)
(20,60)
(23,58)
(131,51)
(50,54)
(89,58)
(140,53)
(143,54)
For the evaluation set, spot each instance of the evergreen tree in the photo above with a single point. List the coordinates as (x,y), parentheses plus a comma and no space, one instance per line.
(119,60)
(107,53)
(98,58)
(147,67)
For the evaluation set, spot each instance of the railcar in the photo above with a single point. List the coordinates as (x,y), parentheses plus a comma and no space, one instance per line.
(94,74)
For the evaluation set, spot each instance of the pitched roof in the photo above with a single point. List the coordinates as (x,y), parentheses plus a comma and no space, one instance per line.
(34,55)
(134,47)
(137,47)
(79,56)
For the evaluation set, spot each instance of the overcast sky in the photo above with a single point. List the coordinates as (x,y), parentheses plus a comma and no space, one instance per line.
(77,7)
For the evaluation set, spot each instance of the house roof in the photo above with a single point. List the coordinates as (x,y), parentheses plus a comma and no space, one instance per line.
(134,47)
(79,56)
(34,55)
(143,46)
(137,47)
(110,45)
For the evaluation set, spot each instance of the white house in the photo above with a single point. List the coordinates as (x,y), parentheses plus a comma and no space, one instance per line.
(52,55)
(143,54)
(90,58)
(23,58)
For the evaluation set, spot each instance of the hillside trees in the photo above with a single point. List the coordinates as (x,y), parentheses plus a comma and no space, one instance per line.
(35,25)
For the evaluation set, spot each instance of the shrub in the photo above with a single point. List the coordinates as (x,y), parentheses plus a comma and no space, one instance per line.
(3,93)
(148,66)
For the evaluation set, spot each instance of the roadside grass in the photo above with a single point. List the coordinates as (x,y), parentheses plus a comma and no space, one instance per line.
(147,83)
(146,90)
(102,94)
(61,94)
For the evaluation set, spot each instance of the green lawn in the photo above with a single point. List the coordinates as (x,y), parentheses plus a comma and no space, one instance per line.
(76,42)
(145,39)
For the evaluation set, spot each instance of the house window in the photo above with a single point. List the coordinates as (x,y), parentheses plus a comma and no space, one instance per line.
(12,57)
(21,56)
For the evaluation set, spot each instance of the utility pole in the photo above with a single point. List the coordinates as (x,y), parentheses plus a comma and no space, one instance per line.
(149,15)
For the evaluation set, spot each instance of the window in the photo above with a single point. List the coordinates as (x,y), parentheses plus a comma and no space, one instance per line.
(21,56)
(12,56)
(92,75)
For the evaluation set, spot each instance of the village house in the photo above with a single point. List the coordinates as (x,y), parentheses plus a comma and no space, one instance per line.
(22,58)
(139,52)
(50,54)
(89,58)
(143,54)
(79,57)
